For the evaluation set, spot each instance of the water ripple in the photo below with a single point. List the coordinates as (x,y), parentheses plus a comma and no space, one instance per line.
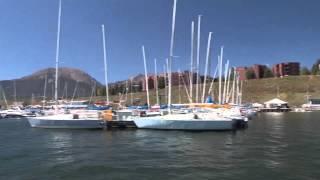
(275,146)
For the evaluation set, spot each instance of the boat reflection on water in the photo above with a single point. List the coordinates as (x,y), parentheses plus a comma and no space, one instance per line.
(60,147)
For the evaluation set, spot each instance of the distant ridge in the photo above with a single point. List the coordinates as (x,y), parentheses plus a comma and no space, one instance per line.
(64,73)
(34,84)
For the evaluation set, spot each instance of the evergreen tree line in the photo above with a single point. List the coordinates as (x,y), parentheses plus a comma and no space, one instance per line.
(315,69)
(267,73)
(123,88)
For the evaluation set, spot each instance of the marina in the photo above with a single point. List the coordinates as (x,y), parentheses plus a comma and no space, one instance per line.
(163,89)
(200,119)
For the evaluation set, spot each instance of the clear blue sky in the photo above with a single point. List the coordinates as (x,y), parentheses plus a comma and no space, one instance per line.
(251,31)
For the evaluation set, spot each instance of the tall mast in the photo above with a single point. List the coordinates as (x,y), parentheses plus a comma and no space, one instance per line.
(166,78)
(45,90)
(179,85)
(186,89)
(15,91)
(66,90)
(240,98)
(126,90)
(57,57)
(220,74)
(92,92)
(32,99)
(233,85)
(171,52)
(226,67)
(52,91)
(146,74)
(131,90)
(214,76)
(4,97)
(237,95)
(228,86)
(198,58)
(156,80)
(207,66)
(191,63)
(74,91)
(105,62)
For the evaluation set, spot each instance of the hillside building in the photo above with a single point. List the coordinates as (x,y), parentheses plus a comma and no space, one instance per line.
(286,69)
(258,70)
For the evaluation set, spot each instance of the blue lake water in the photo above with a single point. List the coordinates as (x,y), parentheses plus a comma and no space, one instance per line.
(275,146)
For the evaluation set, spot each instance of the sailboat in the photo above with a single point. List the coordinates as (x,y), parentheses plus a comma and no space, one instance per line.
(195,119)
(88,119)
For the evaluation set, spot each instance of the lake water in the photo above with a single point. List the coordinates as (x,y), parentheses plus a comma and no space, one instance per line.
(275,146)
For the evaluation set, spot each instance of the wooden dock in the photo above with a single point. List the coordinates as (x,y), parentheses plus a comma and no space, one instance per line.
(120,125)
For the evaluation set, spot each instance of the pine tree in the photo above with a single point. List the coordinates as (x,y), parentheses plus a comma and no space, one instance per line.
(315,68)
(267,73)
(250,74)
(305,71)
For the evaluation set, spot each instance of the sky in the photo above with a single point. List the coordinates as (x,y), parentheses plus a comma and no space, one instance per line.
(251,31)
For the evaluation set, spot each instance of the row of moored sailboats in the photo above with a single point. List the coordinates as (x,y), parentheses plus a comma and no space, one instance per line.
(191,116)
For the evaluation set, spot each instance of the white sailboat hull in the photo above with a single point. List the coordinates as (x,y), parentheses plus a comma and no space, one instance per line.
(194,125)
(189,121)
(65,122)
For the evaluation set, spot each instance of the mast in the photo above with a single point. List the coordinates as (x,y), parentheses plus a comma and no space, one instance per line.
(156,80)
(207,66)
(233,85)
(165,79)
(240,99)
(15,91)
(226,67)
(131,90)
(220,74)
(214,76)
(92,92)
(192,59)
(171,52)
(32,99)
(4,97)
(145,74)
(186,89)
(237,95)
(127,88)
(66,90)
(198,58)
(45,90)
(57,57)
(105,63)
(179,85)
(228,86)
(74,91)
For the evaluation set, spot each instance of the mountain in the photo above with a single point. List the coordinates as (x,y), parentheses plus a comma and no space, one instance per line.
(69,80)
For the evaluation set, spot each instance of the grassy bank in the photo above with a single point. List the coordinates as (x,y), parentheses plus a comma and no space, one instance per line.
(292,89)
